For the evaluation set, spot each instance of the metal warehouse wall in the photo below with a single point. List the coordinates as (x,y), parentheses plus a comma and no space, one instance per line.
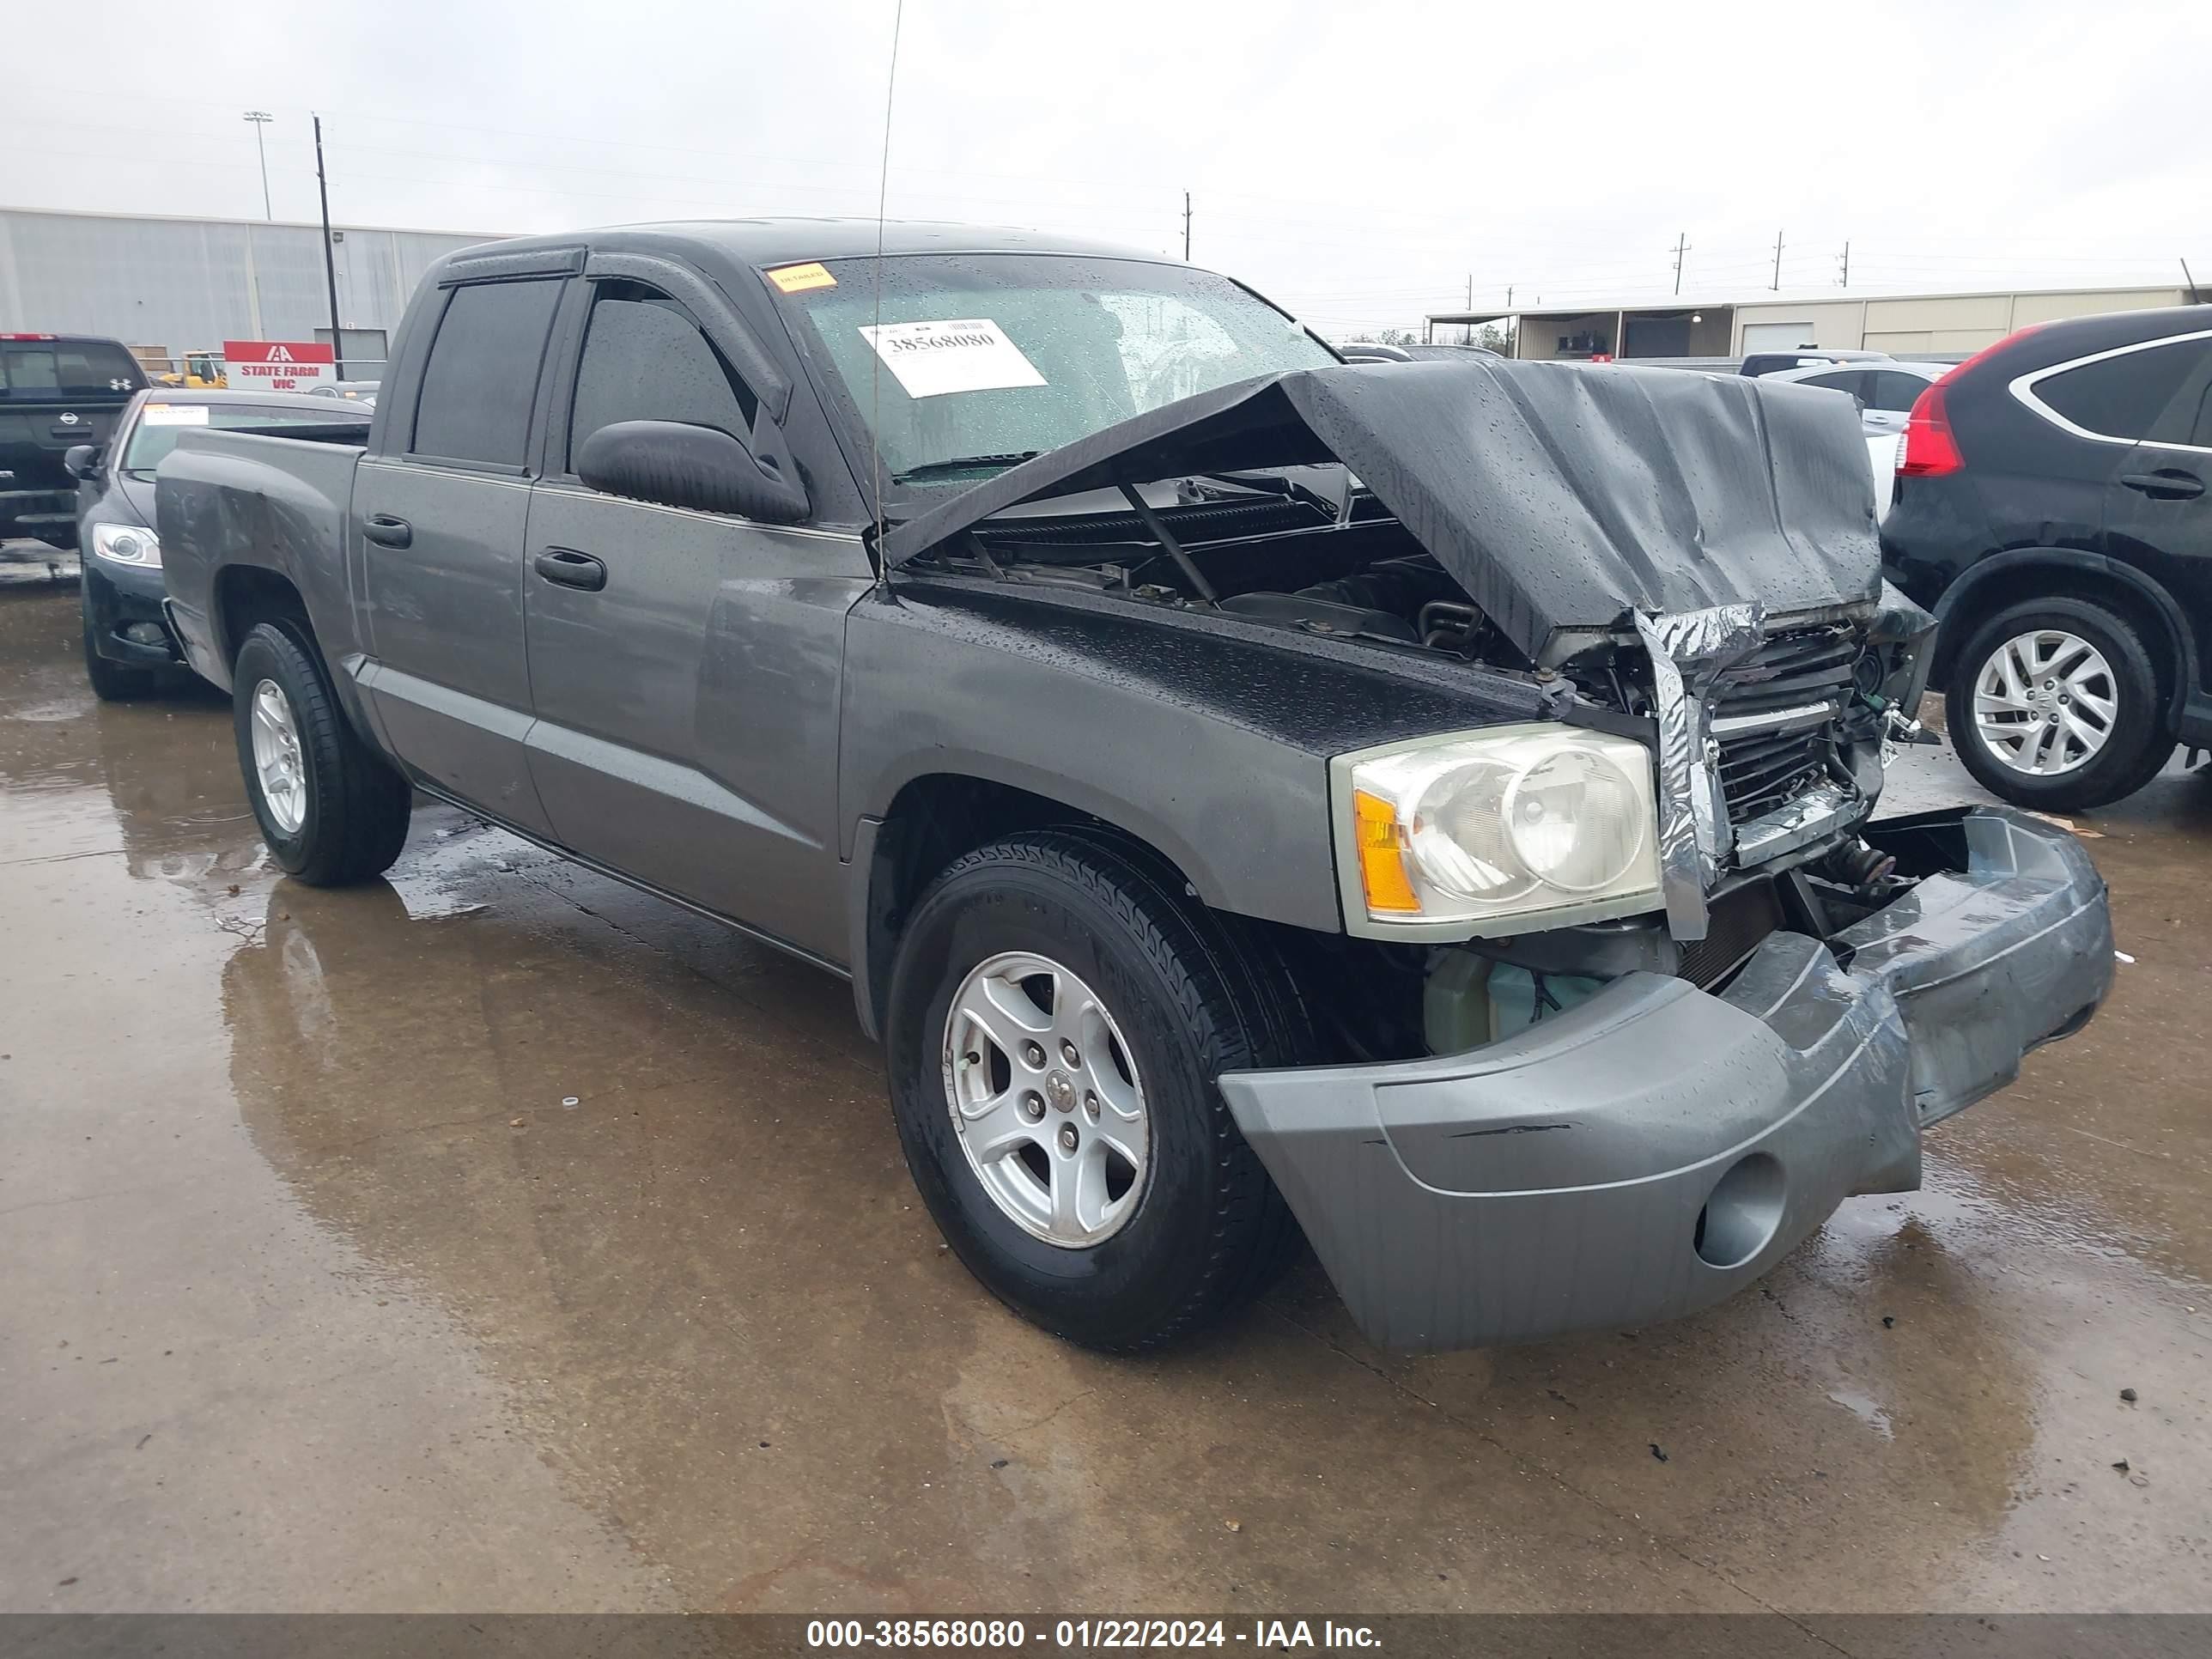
(1903,324)
(185,283)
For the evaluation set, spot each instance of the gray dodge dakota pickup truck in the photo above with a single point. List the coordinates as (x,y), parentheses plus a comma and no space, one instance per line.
(1422,808)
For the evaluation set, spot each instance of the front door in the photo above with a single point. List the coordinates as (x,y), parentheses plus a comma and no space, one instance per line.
(442,516)
(685,665)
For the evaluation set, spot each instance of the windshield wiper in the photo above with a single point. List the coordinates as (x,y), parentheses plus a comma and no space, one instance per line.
(961,464)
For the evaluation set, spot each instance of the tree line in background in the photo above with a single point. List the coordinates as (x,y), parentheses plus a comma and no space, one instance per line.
(1498,339)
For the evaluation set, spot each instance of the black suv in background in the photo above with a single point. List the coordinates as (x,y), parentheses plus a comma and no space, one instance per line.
(56,391)
(2051,509)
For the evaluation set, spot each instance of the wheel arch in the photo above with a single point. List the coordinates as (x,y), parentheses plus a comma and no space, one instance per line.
(2052,571)
(247,595)
(932,819)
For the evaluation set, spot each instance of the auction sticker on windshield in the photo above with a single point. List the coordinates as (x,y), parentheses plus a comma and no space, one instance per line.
(175,414)
(931,359)
(799,279)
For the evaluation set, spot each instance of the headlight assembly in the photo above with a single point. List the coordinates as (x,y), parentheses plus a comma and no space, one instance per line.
(1491,832)
(127,544)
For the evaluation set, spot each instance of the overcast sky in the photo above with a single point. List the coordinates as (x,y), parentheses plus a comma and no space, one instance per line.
(1357,162)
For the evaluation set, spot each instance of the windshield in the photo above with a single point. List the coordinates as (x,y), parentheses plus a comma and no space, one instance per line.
(155,434)
(980,360)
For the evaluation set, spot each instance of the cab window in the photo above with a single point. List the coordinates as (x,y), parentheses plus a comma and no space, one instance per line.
(481,377)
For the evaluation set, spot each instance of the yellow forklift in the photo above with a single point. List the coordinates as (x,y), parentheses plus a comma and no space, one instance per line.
(202,369)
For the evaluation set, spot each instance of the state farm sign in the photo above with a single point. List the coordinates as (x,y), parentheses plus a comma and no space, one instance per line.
(278,365)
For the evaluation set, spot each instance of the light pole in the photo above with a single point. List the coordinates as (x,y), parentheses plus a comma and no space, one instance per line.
(262,118)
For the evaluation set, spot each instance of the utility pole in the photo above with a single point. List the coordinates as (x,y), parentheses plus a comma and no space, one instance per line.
(329,260)
(1186,227)
(1844,280)
(1681,248)
(1467,333)
(262,118)
(1777,284)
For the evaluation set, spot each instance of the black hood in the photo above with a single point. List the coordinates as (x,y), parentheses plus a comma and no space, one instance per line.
(1560,497)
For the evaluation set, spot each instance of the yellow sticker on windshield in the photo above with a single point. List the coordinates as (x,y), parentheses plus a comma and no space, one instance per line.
(796,279)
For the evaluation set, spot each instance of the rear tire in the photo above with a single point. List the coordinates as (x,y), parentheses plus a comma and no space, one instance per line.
(339,812)
(2135,742)
(1201,1229)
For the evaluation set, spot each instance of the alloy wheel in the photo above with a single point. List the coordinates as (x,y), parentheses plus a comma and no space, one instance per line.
(1046,1100)
(278,763)
(2045,703)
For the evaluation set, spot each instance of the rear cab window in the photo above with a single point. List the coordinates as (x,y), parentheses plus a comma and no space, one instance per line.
(481,380)
(34,369)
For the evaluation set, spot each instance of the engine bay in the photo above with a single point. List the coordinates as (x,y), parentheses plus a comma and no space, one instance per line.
(1309,549)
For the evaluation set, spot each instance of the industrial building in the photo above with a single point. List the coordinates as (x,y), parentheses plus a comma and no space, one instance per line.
(164,286)
(1941,324)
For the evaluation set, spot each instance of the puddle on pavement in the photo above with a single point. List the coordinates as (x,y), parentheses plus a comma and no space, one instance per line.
(1865,1409)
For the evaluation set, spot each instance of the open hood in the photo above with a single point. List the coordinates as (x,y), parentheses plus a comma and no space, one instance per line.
(1561,497)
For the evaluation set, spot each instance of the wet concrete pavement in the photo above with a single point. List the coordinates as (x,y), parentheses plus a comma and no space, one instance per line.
(318,1292)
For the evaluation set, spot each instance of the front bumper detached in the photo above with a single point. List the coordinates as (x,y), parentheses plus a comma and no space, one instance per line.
(1657,1147)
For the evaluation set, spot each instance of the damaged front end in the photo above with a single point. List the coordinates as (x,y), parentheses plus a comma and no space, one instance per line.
(1653,1149)
(1632,988)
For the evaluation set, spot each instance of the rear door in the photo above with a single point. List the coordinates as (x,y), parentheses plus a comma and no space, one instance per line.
(2159,516)
(442,513)
(685,665)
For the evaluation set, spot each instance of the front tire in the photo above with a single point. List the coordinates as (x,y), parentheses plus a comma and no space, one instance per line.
(334,812)
(2053,704)
(1055,938)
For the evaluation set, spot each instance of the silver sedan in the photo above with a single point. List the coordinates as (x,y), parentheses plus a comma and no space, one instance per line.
(1884,392)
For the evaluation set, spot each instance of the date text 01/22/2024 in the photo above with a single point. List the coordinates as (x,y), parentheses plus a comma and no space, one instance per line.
(1263,1633)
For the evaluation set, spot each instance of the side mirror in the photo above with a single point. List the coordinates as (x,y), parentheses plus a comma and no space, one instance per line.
(676,465)
(81,461)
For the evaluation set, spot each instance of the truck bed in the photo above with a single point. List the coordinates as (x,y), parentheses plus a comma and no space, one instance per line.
(290,497)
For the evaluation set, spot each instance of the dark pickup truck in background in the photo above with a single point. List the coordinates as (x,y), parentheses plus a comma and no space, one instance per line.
(1423,805)
(57,391)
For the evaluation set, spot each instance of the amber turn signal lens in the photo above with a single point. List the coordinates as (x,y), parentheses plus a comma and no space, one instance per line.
(1381,866)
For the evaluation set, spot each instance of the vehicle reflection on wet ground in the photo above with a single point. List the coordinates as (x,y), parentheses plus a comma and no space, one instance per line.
(495,1236)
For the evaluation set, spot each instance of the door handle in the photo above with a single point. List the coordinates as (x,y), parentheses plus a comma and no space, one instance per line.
(2166,484)
(387,531)
(570,568)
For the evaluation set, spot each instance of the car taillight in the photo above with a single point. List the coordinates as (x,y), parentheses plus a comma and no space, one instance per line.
(1928,451)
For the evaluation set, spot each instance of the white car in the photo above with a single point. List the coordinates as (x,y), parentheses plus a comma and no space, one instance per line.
(1885,392)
